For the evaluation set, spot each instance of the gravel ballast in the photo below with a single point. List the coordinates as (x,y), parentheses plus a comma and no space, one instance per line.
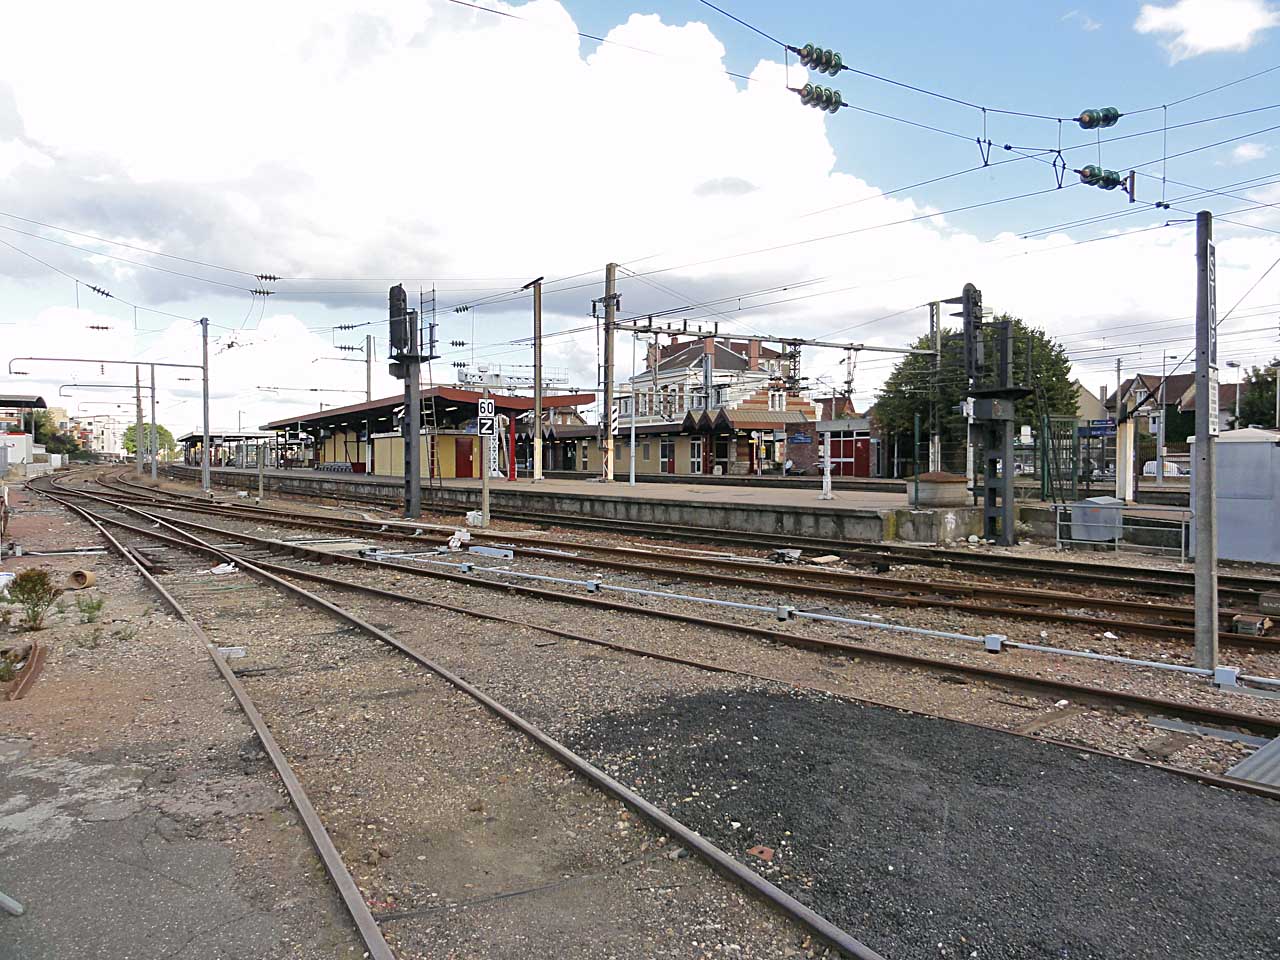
(931,839)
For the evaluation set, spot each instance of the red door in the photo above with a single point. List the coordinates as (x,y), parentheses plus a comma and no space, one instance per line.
(862,457)
(462,457)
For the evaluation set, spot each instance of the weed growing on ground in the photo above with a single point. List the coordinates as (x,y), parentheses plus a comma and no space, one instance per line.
(124,634)
(34,592)
(90,608)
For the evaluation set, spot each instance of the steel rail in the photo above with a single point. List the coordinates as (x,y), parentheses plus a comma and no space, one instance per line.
(912,598)
(1155,579)
(1010,679)
(341,877)
(719,860)
(1210,779)
(1170,582)
(1074,571)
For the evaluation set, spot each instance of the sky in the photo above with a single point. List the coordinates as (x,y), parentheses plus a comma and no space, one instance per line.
(173,156)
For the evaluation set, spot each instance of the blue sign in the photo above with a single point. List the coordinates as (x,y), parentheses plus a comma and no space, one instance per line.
(800,438)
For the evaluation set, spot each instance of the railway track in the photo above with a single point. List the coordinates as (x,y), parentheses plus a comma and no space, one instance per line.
(185,588)
(1046,687)
(1164,621)
(1239,589)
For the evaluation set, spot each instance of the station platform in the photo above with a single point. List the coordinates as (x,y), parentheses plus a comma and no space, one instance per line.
(852,514)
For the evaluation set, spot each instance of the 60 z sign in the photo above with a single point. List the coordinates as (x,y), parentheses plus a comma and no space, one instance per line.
(486,422)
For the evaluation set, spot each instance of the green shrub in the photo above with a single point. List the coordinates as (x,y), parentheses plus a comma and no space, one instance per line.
(34,592)
(90,608)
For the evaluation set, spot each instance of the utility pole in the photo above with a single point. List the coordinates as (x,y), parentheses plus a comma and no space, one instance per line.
(155,430)
(261,467)
(1160,432)
(368,398)
(1125,443)
(935,438)
(826,467)
(368,368)
(631,453)
(536,285)
(139,437)
(1205,503)
(204,447)
(610,316)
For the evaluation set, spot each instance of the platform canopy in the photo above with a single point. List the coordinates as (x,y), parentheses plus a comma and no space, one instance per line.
(22,401)
(196,437)
(452,405)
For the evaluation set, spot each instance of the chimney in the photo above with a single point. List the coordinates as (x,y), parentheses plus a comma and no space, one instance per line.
(753,354)
(709,346)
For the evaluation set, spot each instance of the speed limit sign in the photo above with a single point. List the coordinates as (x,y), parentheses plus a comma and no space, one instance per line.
(486,407)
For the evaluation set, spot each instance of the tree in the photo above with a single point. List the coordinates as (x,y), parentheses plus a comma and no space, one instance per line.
(1258,396)
(168,446)
(45,430)
(914,387)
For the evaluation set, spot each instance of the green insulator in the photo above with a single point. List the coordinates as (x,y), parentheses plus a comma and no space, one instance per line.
(837,64)
(1090,119)
(1110,180)
(837,101)
(824,63)
(806,53)
(1108,116)
(1091,175)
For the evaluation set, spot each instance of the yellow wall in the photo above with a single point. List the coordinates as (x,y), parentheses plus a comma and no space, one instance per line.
(389,456)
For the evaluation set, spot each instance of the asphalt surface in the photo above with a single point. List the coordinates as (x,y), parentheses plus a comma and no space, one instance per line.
(926,838)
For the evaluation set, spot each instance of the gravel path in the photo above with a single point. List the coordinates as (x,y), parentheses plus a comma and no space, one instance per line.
(931,839)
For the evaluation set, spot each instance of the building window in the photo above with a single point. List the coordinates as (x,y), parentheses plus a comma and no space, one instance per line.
(777,400)
(644,451)
(667,452)
(695,455)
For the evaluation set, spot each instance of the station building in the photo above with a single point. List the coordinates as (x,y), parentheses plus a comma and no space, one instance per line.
(365,437)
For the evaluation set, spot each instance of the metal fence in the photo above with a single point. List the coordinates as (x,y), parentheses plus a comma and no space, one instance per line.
(1149,529)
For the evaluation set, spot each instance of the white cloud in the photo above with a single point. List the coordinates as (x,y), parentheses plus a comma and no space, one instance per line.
(1087,23)
(1248,152)
(1193,27)
(418,140)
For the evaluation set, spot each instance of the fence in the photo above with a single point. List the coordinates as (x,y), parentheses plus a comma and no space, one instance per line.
(1162,529)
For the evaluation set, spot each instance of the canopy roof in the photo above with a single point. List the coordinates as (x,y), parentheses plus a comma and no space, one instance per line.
(385,408)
